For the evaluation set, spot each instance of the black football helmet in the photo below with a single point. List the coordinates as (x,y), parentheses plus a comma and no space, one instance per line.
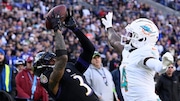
(43,61)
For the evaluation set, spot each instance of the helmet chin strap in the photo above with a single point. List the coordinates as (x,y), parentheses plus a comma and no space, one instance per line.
(130,47)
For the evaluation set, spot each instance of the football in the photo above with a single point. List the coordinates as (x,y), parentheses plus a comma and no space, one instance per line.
(60,10)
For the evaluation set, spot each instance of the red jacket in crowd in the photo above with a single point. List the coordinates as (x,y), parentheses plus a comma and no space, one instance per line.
(24,83)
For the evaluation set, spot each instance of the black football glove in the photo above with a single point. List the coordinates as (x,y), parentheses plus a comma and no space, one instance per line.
(55,21)
(70,21)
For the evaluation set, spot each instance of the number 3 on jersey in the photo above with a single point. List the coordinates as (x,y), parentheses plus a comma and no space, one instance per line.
(89,90)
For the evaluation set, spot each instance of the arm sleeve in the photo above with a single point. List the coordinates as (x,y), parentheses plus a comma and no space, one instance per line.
(88,49)
(154,64)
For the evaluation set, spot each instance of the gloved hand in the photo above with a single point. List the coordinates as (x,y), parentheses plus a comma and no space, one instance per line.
(108,21)
(70,21)
(167,59)
(55,21)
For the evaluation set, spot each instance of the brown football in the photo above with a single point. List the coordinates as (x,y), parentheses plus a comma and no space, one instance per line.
(60,10)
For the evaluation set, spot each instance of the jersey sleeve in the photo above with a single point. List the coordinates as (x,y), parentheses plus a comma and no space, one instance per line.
(84,60)
(147,53)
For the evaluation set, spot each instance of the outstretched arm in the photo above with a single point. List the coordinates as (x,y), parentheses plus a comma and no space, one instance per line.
(160,66)
(113,38)
(60,64)
(84,60)
(61,55)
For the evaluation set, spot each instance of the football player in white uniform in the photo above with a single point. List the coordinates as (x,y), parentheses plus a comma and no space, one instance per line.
(140,58)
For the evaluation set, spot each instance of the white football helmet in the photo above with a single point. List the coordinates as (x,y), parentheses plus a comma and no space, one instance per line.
(139,33)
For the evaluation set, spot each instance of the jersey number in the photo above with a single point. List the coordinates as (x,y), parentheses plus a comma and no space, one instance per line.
(89,90)
(124,79)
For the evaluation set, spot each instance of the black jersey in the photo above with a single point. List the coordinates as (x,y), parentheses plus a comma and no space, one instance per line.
(73,86)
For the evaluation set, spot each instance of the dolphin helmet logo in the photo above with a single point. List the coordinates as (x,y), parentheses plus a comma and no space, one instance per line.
(147,29)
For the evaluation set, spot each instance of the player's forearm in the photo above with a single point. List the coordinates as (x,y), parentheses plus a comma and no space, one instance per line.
(85,42)
(61,52)
(154,64)
(114,40)
(61,60)
(59,41)
(85,57)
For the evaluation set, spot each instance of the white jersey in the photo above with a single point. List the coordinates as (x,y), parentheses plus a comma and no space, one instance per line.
(137,80)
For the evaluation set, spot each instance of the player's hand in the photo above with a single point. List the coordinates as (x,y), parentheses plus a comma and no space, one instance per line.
(55,21)
(167,59)
(107,21)
(70,21)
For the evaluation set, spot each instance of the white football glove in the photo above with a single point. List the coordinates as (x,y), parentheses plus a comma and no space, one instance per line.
(167,59)
(108,21)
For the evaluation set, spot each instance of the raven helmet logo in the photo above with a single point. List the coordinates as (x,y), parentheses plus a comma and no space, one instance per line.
(43,79)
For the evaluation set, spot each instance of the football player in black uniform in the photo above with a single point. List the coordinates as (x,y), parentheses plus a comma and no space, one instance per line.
(64,81)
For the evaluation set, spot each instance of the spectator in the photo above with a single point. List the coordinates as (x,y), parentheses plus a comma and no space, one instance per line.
(16,22)
(16,56)
(20,64)
(28,85)
(26,51)
(114,63)
(9,57)
(177,74)
(19,19)
(102,13)
(167,85)
(178,64)
(117,81)
(7,77)
(100,79)
(159,47)
(28,5)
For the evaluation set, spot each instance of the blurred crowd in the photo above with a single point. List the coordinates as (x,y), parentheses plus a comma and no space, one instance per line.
(174,4)
(23,31)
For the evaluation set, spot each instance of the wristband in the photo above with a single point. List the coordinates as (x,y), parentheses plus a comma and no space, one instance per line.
(61,52)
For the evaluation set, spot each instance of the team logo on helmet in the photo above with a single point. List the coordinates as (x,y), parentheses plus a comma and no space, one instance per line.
(147,29)
(43,79)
